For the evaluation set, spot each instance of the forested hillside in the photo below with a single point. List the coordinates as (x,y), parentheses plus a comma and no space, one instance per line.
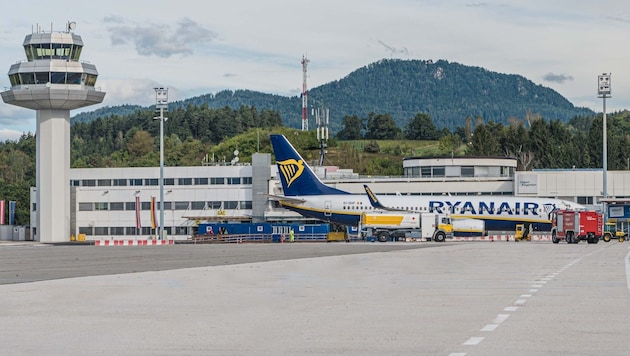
(448,92)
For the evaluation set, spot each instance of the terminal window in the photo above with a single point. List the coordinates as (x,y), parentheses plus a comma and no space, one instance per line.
(201,181)
(220,180)
(438,171)
(184,181)
(468,171)
(198,205)
(234,180)
(230,204)
(89,183)
(585,200)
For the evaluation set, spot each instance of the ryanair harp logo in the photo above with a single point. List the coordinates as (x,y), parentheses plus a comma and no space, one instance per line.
(291,169)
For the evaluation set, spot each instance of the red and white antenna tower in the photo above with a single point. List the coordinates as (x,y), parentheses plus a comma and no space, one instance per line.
(304,95)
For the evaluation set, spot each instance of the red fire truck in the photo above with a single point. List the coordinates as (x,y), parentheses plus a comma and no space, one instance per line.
(574,226)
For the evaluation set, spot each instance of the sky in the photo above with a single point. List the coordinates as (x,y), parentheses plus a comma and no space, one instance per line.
(202,47)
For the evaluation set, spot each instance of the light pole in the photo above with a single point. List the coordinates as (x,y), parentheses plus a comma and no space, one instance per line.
(161,103)
(603,91)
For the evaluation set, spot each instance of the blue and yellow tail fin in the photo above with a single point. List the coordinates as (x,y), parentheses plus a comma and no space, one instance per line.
(296,176)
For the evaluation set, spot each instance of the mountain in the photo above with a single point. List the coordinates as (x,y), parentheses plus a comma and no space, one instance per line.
(105,112)
(448,92)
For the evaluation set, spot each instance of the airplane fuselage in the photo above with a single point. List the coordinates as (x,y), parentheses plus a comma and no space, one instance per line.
(498,213)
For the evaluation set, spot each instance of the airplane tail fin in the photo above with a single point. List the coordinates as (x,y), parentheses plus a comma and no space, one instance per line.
(296,176)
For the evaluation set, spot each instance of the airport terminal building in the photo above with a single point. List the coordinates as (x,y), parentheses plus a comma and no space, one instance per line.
(124,202)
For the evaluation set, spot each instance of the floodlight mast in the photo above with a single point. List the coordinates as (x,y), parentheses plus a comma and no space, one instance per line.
(161,103)
(604,91)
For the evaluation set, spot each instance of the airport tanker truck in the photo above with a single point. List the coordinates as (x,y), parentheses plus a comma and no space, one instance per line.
(388,226)
(574,226)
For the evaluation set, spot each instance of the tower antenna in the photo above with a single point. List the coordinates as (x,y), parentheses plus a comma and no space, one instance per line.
(304,95)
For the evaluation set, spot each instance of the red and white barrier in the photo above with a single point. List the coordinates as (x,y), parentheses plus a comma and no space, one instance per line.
(500,238)
(105,242)
(492,238)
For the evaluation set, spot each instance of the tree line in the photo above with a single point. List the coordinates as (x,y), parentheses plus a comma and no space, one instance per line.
(535,142)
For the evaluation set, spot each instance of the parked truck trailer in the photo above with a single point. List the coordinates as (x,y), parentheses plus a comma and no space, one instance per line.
(388,225)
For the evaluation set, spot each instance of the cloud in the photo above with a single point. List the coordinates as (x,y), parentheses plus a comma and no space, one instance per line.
(619,19)
(557,78)
(10,135)
(477,4)
(158,39)
(393,50)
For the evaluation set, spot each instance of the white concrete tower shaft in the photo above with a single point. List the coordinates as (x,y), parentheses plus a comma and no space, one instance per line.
(53,81)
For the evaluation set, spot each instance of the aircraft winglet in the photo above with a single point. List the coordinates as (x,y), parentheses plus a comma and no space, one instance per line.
(376,204)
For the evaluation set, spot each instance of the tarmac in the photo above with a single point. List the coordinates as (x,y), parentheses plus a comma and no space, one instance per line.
(459,298)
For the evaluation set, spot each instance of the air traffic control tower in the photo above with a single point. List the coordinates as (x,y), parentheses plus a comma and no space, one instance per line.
(53,81)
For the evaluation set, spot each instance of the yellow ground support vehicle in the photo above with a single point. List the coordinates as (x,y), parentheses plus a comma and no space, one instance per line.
(403,225)
(612,232)
(521,234)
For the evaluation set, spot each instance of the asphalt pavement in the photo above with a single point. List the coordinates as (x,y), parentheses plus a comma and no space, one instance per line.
(468,298)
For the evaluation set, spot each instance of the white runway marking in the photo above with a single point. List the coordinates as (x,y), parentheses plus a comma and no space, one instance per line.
(537,285)
(474,340)
(526,295)
(520,302)
(457,354)
(501,318)
(533,290)
(497,321)
(510,309)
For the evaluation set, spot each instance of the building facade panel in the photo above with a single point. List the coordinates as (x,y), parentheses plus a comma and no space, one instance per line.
(104,207)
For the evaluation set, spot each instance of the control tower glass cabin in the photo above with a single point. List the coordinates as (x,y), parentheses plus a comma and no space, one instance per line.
(53,77)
